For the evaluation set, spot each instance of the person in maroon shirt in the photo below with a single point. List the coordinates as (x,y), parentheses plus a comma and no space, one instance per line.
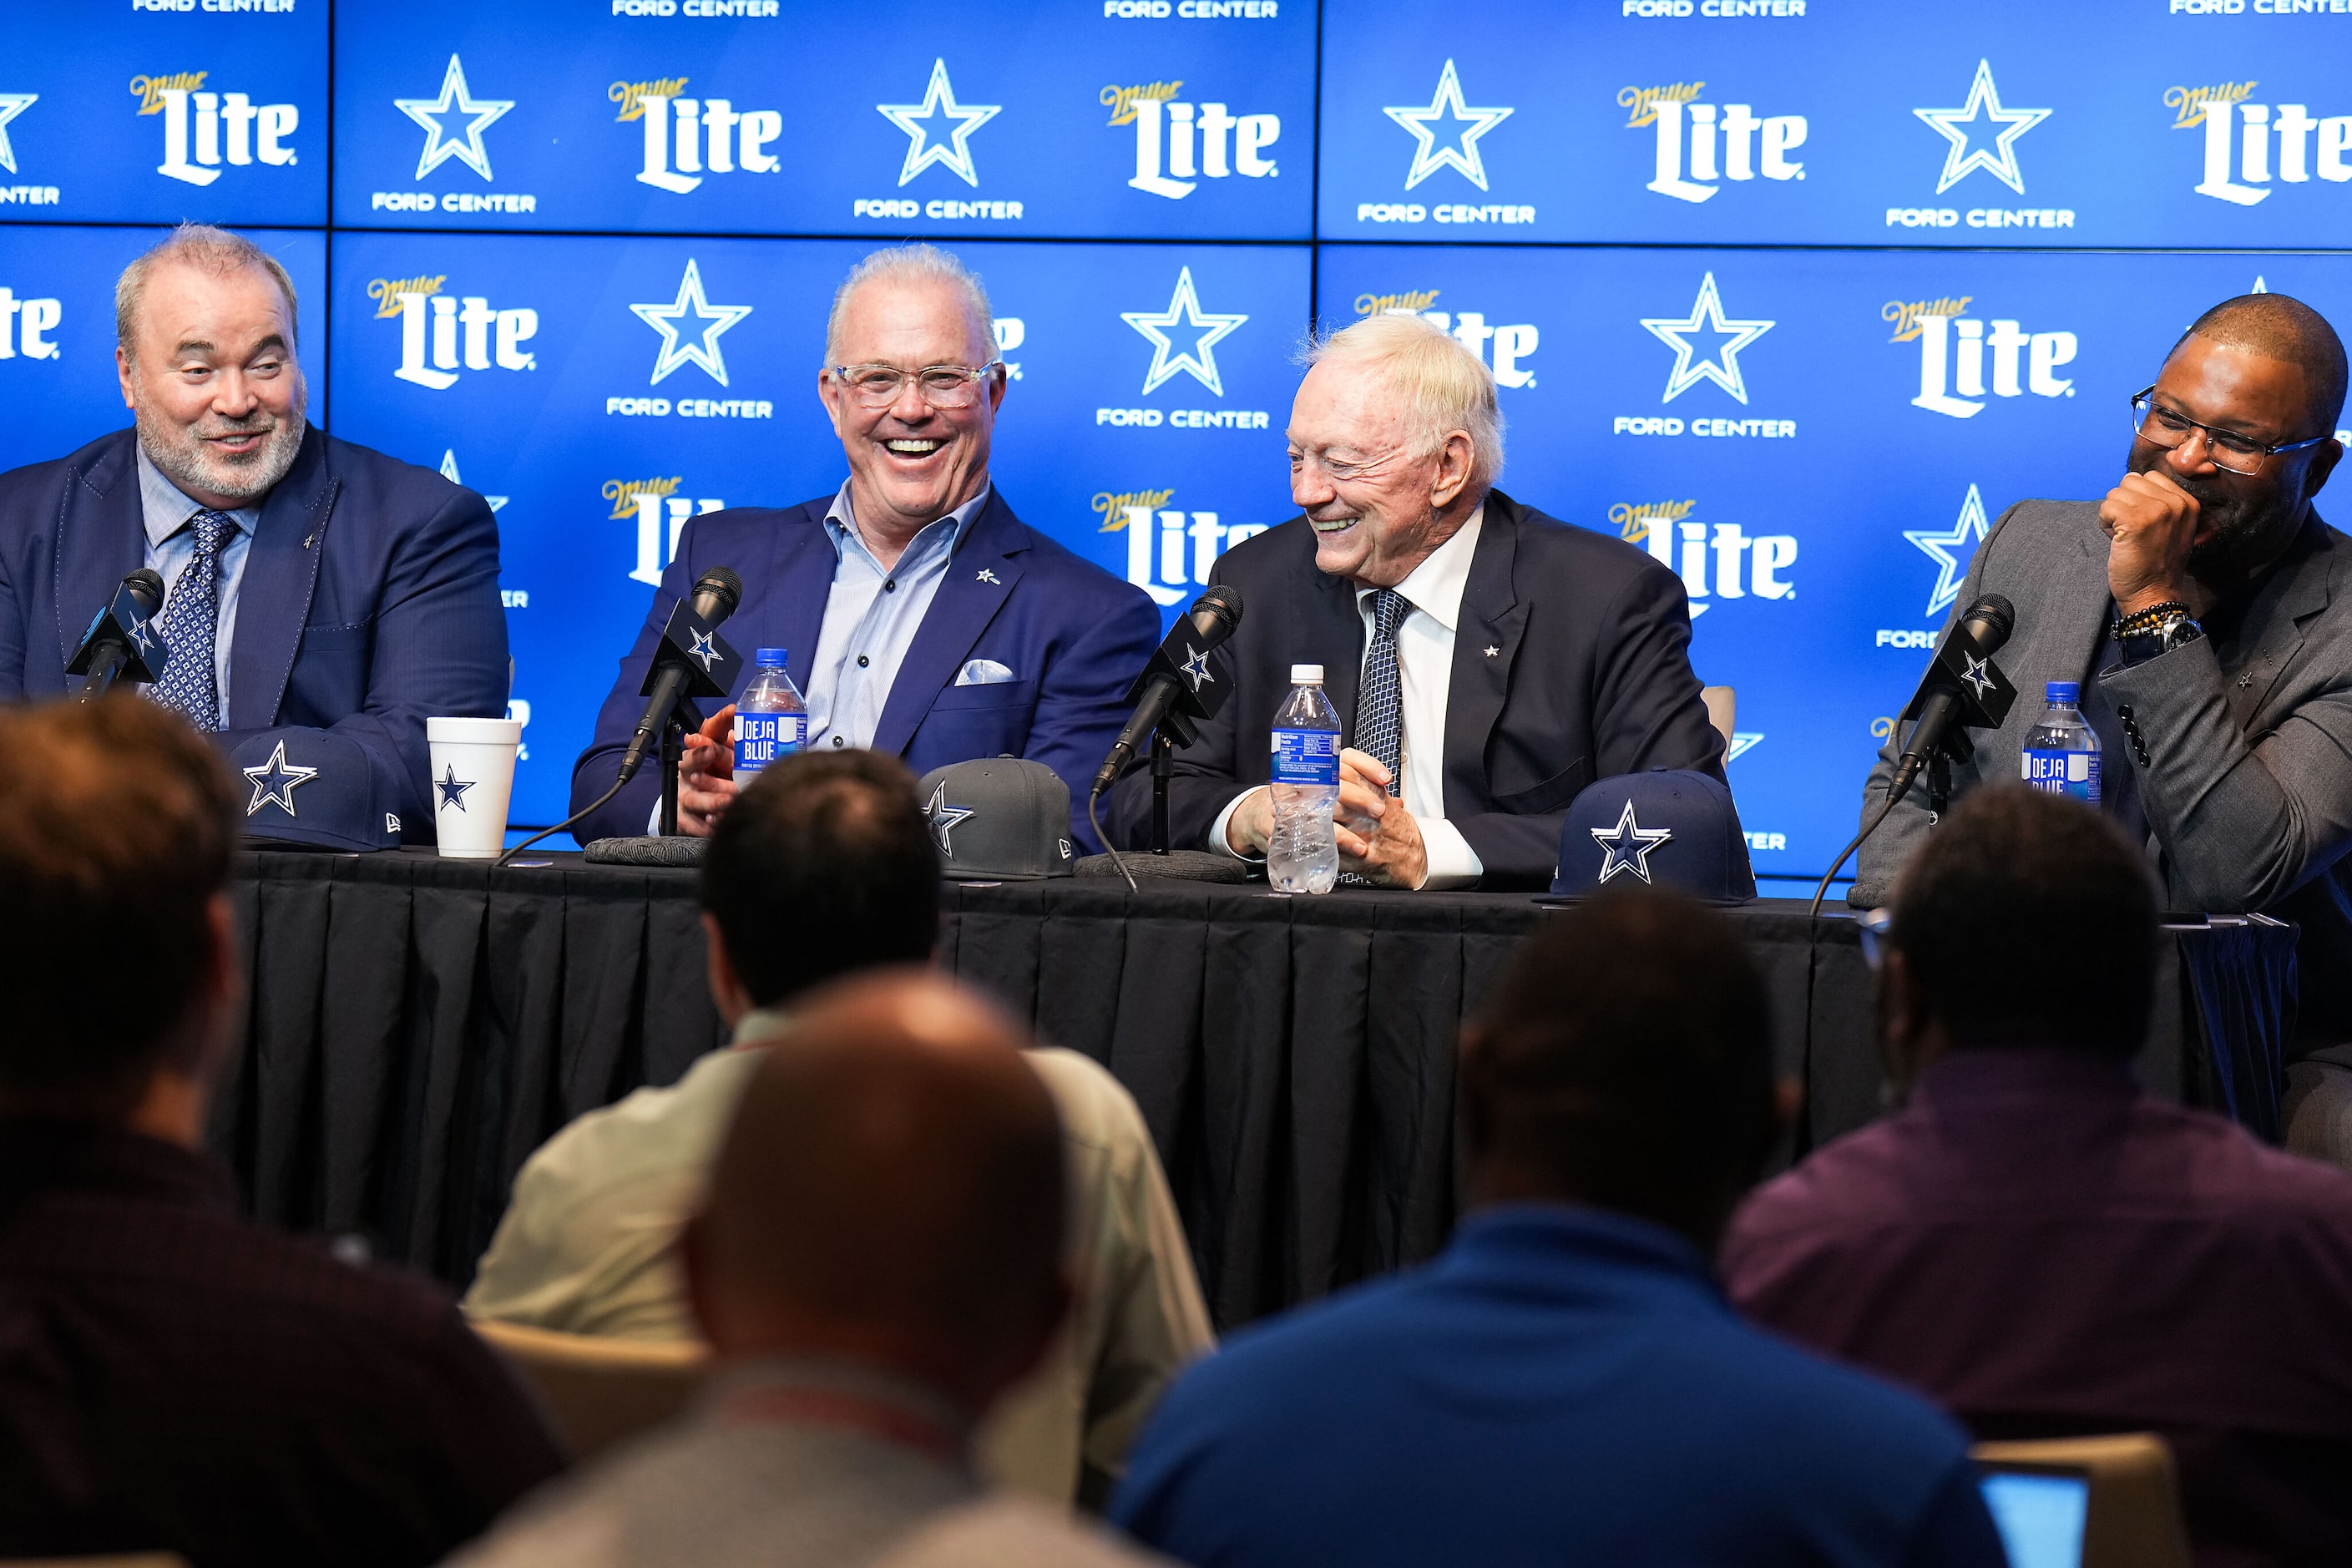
(172,1376)
(2041,1245)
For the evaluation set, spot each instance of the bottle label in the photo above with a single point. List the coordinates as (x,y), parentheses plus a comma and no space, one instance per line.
(1307,757)
(761,738)
(2063,773)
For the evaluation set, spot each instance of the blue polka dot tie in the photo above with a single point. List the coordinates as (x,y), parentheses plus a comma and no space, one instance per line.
(1379,706)
(191,623)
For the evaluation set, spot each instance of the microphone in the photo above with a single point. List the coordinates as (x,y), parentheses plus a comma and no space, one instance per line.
(120,644)
(1956,692)
(1177,680)
(687,652)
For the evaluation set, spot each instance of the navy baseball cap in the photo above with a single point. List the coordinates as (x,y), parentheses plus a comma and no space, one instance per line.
(1668,829)
(316,790)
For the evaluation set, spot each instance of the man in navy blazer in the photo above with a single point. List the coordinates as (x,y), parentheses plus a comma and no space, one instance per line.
(922,618)
(321,600)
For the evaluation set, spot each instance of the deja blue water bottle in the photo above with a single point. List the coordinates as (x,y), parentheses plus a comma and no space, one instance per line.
(2061,752)
(1303,856)
(770,720)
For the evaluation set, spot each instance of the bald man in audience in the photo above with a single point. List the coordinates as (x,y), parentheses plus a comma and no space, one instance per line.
(879,1259)
(823,867)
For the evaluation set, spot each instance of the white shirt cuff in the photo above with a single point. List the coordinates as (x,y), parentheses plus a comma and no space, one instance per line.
(1221,845)
(1451,862)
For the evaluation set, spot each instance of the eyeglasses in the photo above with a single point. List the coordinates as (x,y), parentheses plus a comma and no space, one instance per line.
(2229,451)
(942,385)
(1875,928)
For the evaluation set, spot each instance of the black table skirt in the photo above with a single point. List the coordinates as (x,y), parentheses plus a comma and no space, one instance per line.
(417,1027)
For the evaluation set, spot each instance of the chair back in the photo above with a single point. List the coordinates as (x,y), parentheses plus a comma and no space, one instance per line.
(598,1391)
(1721,704)
(2133,1520)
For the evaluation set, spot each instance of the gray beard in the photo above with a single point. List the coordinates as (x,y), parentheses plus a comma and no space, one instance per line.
(182,457)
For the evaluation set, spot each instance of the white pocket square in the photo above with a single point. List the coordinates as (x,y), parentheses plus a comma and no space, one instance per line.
(984,672)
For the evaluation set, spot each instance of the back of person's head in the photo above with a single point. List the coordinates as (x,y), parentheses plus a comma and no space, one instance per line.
(2026,919)
(823,867)
(116,826)
(891,1190)
(1625,1062)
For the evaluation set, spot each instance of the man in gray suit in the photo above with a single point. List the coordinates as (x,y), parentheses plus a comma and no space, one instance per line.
(2207,611)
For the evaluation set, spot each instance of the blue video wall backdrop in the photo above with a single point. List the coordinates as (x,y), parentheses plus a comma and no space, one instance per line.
(1796,294)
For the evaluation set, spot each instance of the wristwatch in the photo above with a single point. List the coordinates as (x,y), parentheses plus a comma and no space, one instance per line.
(2156,632)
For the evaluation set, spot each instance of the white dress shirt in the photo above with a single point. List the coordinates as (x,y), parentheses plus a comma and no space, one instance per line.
(1425,671)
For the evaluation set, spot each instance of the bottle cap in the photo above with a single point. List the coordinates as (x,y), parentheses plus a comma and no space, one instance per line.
(1305,675)
(771,658)
(2067,691)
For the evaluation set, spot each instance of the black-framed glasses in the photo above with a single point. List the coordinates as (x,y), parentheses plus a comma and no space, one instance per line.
(1874,927)
(942,385)
(2230,451)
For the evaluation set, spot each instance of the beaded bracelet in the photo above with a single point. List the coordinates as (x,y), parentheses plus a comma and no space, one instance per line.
(2148,620)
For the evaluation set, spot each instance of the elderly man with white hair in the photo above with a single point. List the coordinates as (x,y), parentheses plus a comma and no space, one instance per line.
(1487,661)
(921,617)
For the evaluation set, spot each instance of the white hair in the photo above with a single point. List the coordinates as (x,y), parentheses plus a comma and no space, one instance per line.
(213,251)
(1443,383)
(910,264)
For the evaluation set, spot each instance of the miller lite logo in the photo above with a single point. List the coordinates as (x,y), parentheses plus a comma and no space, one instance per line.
(1169,552)
(1715,561)
(1500,348)
(25,326)
(660,515)
(2249,144)
(441,336)
(686,138)
(1178,143)
(1954,348)
(1695,140)
(203,129)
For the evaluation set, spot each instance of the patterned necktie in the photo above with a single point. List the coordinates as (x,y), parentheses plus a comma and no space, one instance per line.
(190,622)
(1380,707)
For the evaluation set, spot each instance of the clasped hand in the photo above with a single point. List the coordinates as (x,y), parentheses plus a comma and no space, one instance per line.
(2151,524)
(706,774)
(1379,839)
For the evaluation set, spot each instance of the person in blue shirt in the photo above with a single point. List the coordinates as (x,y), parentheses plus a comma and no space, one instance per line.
(923,618)
(1565,1383)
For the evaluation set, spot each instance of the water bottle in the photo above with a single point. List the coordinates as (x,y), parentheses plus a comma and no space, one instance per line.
(1303,857)
(2061,752)
(770,720)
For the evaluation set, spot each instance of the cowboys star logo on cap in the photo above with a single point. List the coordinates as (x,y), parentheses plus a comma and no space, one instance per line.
(453,788)
(1628,846)
(275,782)
(943,819)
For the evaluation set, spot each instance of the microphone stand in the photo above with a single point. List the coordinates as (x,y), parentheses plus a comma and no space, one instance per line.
(673,755)
(1163,756)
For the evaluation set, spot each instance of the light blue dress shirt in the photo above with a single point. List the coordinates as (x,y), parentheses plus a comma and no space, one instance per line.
(870,621)
(171,544)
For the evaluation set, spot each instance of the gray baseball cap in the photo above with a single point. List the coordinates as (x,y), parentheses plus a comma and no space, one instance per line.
(998,819)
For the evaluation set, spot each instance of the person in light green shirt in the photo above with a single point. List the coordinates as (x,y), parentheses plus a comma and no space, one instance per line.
(823,868)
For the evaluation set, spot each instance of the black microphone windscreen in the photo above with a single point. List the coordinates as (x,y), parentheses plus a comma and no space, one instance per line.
(721,589)
(1216,614)
(1991,620)
(147,584)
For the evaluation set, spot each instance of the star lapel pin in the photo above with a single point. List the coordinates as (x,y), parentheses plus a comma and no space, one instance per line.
(986,576)
(1493,652)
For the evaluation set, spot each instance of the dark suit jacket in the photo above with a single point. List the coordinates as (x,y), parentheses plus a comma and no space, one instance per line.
(1074,635)
(369,600)
(1590,677)
(2243,734)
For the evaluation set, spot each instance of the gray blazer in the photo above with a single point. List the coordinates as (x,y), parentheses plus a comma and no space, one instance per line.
(2244,767)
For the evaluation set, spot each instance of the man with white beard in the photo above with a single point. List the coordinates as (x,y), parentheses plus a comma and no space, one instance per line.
(320,599)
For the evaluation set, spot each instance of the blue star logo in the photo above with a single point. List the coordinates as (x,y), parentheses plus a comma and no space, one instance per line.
(453,789)
(702,349)
(2000,160)
(1196,668)
(440,146)
(1963,536)
(1977,675)
(12,104)
(1183,307)
(703,651)
(275,782)
(1721,368)
(143,638)
(1461,153)
(944,819)
(954,155)
(1628,846)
